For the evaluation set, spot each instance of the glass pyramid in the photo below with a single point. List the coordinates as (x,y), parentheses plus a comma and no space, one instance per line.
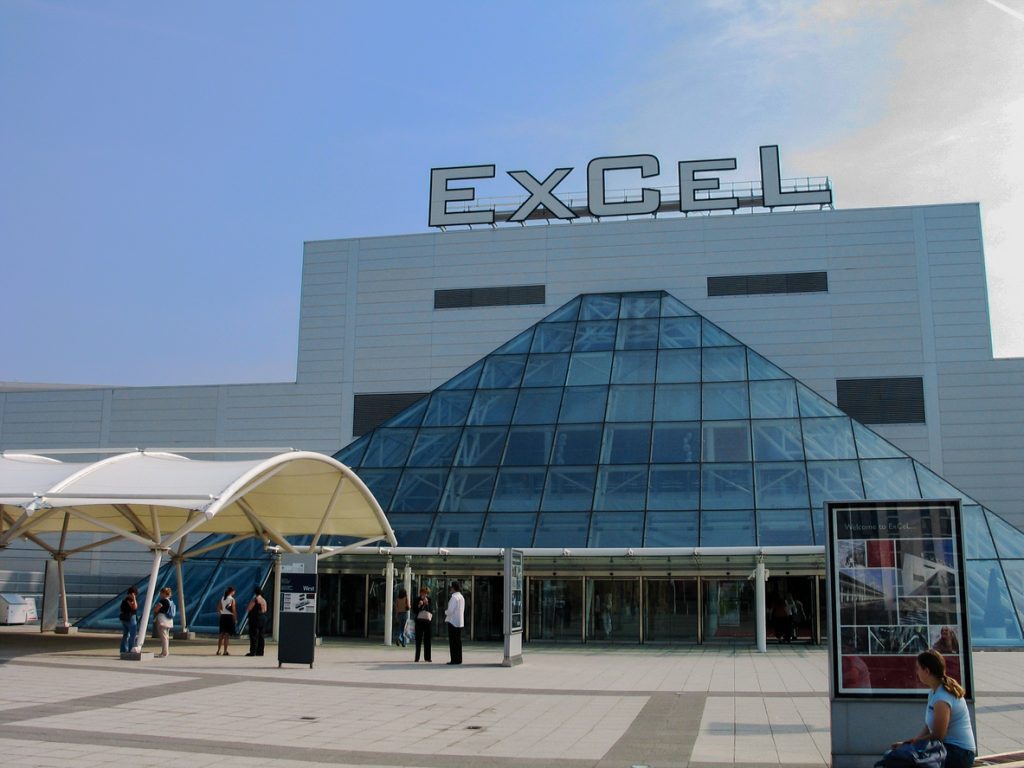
(628,420)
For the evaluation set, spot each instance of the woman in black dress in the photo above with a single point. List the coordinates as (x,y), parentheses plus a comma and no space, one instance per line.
(424,615)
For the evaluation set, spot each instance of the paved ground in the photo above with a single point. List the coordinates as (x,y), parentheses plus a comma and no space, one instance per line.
(69,701)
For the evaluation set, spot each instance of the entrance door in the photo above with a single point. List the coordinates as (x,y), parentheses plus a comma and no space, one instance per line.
(791,603)
(614,610)
(342,610)
(670,610)
(488,606)
(729,612)
(556,610)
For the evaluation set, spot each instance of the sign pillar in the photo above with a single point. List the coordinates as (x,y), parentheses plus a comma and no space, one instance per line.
(513,616)
(297,601)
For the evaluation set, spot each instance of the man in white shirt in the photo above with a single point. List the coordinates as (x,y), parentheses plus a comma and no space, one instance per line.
(454,615)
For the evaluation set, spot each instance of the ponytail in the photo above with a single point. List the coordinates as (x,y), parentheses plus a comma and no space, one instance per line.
(952,686)
(932,662)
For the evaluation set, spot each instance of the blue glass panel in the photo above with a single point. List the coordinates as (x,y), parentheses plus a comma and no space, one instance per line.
(577,444)
(468,490)
(636,367)
(725,364)
(781,485)
(467,379)
(677,402)
(813,404)
(977,539)
(388,447)
(676,441)
(713,336)
(480,447)
(546,370)
(727,528)
(833,481)
(562,529)
(626,444)
(1009,541)
(621,487)
(553,337)
(517,346)
(628,402)
(773,399)
(784,527)
(509,530)
(726,401)
(727,486)
(616,529)
(1014,572)
(409,417)
(672,529)
(434,447)
(993,620)
(726,441)
(381,482)
(934,487)
(637,334)
(518,489)
(492,406)
(873,446)
(569,488)
(583,404)
(411,529)
(759,369)
(565,313)
(502,371)
(678,365)
(456,530)
(820,530)
(537,406)
(529,446)
(673,307)
(640,305)
(829,438)
(777,440)
(589,368)
(674,486)
(600,307)
(679,332)
(596,336)
(448,408)
(419,490)
(352,454)
(889,479)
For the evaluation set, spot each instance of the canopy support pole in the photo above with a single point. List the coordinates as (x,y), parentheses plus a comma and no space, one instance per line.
(63,626)
(277,596)
(389,600)
(760,607)
(147,606)
(184,634)
(407,580)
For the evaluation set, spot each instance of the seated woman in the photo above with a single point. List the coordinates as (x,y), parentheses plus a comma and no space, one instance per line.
(946,717)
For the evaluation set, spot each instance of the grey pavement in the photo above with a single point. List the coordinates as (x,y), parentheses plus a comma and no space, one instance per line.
(69,700)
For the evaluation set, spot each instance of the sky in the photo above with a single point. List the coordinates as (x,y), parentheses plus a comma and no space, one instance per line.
(162,164)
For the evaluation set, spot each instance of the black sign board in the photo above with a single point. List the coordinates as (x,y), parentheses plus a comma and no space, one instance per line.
(297,629)
(513,619)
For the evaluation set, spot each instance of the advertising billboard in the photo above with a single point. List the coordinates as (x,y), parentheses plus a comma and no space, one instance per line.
(897,588)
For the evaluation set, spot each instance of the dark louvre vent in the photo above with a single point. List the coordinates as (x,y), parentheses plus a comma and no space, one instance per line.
(782,282)
(882,401)
(500,296)
(371,411)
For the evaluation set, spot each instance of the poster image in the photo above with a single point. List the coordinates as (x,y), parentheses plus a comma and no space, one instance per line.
(897,588)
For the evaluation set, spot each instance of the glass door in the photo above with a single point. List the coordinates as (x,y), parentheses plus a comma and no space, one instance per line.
(670,611)
(556,610)
(729,612)
(614,610)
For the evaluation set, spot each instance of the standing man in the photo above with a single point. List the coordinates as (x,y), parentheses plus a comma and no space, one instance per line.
(257,609)
(454,615)
(130,620)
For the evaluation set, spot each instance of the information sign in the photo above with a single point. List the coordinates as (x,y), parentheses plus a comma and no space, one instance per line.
(513,619)
(897,588)
(297,632)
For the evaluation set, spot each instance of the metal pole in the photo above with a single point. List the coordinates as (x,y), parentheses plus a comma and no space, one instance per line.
(181,595)
(389,599)
(760,607)
(63,594)
(407,579)
(277,596)
(150,595)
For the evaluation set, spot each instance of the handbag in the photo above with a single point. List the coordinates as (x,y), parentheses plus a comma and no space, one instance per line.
(409,630)
(425,615)
(926,753)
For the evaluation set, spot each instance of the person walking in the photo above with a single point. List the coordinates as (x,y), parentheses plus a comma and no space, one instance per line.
(423,613)
(256,610)
(401,616)
(454,615)
(163,618)
(129,616)
(227,609)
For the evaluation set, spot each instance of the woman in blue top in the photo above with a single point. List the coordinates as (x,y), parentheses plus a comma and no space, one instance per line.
(946,718)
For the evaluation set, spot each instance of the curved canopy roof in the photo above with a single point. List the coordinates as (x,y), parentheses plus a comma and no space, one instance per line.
(157,498)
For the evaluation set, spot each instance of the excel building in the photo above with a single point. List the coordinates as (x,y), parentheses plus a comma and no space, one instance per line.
(648,393)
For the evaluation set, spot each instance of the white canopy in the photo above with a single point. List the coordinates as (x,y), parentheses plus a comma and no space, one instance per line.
(158,498)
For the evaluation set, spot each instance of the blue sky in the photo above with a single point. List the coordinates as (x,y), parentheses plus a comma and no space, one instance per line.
(163,164)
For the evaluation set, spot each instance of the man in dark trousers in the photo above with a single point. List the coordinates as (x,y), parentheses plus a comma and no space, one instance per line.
(454,615)
(257,609)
